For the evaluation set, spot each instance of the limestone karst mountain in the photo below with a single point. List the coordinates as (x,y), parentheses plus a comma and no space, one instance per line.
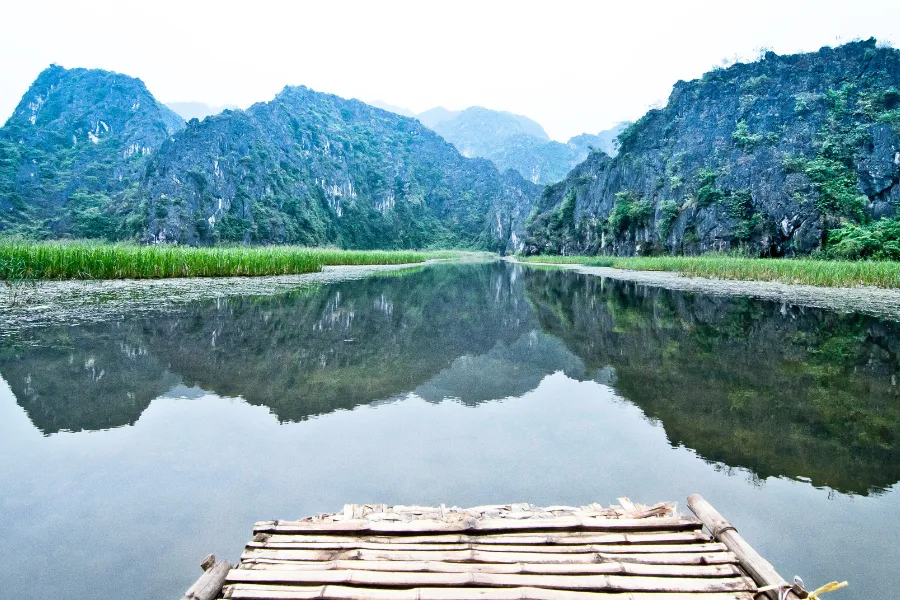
(74,150)
(768,156)
(89,153)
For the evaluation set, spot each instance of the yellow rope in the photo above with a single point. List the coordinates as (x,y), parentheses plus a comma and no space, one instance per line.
(828,587)
(786,587)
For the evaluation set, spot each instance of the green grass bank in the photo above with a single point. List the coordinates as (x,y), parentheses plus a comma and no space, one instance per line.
(807,271)
(23,261)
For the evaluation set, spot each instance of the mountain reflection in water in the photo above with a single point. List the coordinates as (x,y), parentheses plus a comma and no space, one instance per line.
(778,390)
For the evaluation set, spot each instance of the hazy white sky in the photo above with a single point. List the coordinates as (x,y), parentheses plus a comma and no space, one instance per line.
(572,66)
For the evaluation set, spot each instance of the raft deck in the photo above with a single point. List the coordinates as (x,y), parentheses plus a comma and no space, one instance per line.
(498,552)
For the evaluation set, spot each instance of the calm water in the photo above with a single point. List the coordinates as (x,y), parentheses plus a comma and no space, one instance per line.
(132,448)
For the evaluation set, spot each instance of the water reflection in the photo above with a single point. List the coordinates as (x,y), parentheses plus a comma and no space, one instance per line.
(783,391)
(779,390)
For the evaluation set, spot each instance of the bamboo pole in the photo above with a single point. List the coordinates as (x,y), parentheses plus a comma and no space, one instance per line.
(337,592)
(556,548)
(611,583)
(607,568)
(473,525)
(566,537)
(761,570)
(468,556)
(210,583)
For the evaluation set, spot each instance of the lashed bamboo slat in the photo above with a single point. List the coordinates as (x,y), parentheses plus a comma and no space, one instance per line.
(472,524)
(611,583)
(568,537)
(549,556)
(560,548)
(333,592)
(726,570)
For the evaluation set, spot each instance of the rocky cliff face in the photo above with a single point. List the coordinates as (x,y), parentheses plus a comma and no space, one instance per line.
(77,137)
(314,168)
(768,156)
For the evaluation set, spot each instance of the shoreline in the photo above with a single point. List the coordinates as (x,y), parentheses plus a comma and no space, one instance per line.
(82,301)
(870,300)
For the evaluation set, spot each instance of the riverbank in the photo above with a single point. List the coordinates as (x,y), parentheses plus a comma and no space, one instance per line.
(869,300)
(822,273)
(31,261)
(81,302)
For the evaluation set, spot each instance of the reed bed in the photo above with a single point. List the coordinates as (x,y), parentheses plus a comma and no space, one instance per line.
(807,271)
(85,260)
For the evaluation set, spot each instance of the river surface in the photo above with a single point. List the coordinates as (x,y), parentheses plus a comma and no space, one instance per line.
(134,444)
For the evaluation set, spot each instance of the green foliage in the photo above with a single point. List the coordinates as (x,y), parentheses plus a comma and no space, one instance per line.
(564,215)
(881,106)
(852,109)
(743,139)
(834,183)
(879,240)
(828,273)
(755,84)
(668,212)
(707,192)
(85,260)
(739,206)
(89,213)
(630,212)
(630,135)
(803,102)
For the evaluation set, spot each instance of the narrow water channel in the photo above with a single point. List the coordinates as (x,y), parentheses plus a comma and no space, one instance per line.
(133,446)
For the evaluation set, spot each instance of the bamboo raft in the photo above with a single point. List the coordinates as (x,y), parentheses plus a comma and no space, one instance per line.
(498,552)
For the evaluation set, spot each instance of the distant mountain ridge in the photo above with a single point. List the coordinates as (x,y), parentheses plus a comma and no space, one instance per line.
(430,118)
(198,110)
(518,143)
(476,130)
(512,141)
(403,112)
